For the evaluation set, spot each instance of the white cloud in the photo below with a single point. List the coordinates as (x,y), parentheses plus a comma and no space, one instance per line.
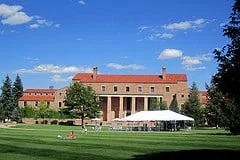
(159,35)
(82,2)
(7,11)
(50,68)
(59,78)
(17,18)
(142,28)
(79,39)
(191,63)
(42,23)
(170,53)
(185,25)
(119,66)
(57,25)
(33,26)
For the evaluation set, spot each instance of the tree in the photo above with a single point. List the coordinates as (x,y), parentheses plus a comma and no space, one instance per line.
(17,92)
(174,104)
(42,110)
(214,108)
(227,78)
(192,107)
(82,101)
(163,105)
(156,104)
(7,105)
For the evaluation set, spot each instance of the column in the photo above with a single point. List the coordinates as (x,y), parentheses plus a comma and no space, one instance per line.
(133,105)
(120,107)
(145,103)
(109,110)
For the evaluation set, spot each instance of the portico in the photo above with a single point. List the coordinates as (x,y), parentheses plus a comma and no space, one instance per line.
(119,106)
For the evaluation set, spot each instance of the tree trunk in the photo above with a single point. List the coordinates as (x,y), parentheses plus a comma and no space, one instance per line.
(82,118)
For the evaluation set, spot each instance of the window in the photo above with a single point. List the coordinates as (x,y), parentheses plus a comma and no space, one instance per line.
(35,93)
(140,89)
(60,93)
(167,89)
(48,103)
(152,89)
(29,94)
(40,93)
(161,99)
(46,94)
(59,104)
(36,103)
(127,89)
(182,95)
(115,89)
(25,103)
(103,88)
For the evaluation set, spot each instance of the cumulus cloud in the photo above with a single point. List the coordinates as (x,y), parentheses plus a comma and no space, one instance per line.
(185,25)
(12,15)
(119,66)
(170,53)
(59,78)
(54,69)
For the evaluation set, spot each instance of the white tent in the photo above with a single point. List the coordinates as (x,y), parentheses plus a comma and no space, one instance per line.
(162,115)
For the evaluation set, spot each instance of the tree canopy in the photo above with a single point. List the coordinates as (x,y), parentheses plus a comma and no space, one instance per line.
(82,101)
(174,104)
(227,78)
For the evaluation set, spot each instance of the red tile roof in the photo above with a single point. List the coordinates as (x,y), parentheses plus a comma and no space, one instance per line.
(40,90)
(36,98)
(104,78)
(203,93)
(204,100)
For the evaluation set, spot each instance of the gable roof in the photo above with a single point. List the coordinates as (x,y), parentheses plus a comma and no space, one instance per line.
(36,98)
(111,78)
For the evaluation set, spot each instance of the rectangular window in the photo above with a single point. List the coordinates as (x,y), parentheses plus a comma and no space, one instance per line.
(152,89)
(127,89)
(115,89)
(36,103)
(59,104)
(48,103)
(161,99)
(182,95)
(140,89)
(167,89)
(103,88)
(25,103)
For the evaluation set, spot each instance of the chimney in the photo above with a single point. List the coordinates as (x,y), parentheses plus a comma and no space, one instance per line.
(163,72)
(95,72)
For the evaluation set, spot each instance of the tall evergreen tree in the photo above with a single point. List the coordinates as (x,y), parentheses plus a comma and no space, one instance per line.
(214,108)
(192,107)
(174,104)
(17,92)
(227,78)
(7,99)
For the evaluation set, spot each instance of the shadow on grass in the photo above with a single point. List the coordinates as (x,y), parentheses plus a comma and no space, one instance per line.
(36,153)
(192,154)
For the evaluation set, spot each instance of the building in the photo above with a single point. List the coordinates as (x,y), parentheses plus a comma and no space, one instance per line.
(53,97)
(122,95)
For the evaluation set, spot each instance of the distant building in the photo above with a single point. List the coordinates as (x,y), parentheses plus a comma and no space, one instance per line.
(120,94)
(53,97)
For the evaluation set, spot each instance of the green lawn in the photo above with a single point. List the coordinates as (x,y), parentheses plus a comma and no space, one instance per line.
(36,142)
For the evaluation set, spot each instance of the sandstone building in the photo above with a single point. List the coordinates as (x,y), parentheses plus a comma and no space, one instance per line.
(120,94)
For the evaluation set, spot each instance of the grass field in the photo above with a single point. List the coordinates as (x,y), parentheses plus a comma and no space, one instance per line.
(40,142)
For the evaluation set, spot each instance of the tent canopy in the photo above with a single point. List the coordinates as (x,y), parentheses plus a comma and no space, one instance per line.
(162,115)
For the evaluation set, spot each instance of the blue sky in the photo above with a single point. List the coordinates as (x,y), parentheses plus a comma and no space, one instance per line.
(48,42)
